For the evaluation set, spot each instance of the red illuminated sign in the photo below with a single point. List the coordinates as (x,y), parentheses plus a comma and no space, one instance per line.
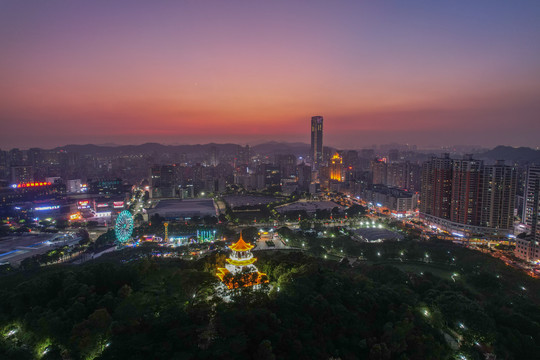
(84,204)
(118,204)
(33,184)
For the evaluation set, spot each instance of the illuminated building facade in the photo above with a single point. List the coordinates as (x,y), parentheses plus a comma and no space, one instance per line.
(317,141)
(106,186)
(531,208)
(437,187)
(239,271)
(466,191)
(499,185)
(467,196)
(336,167)
(31,191)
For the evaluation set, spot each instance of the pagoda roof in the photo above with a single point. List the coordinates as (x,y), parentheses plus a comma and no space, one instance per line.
(241,245)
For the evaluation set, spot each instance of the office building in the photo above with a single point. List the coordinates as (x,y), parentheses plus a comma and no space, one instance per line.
(336,167)
(317,141)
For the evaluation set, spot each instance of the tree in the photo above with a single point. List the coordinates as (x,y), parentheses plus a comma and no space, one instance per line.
(138,218)
(85,237)
(250,233)
(305,225)
(264,351)
(356,210)
(62,223)
(156,220)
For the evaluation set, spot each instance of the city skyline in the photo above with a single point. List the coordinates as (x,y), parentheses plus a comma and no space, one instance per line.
(422,73)
(269,179)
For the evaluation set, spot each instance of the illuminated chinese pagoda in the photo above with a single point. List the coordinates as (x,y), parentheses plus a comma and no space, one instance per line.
(239,271)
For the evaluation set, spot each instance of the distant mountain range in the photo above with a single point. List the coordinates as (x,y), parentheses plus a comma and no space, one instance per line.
(509,153)
(269,148)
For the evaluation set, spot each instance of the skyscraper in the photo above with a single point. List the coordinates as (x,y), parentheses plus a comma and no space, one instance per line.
(466,191)
(316,140)
(528,248)
(498,196)
(437,187)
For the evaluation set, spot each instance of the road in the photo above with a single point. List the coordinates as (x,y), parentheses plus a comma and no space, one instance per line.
(14,249)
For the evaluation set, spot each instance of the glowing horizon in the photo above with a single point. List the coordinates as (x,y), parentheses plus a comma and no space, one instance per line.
(199,72)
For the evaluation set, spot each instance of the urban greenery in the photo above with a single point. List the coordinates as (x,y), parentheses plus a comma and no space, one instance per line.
(435,307)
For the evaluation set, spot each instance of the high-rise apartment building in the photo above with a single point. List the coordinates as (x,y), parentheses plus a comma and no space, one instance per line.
(393,155)
(379,172)
(498,196)
(350,158)
(465,205)
(528,248)
(243,156)
(317,141)
(303,173)
(531,208)
(466,195)
(436,187)
(163,181)
(287,165)
(214,156)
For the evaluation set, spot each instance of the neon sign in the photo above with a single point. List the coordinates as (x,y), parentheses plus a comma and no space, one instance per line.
(31,184)
(84,204)
(76,216)
(118,204)
(44,208)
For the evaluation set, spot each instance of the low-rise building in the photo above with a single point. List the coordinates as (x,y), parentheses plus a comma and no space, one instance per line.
(527,249)
(397,200)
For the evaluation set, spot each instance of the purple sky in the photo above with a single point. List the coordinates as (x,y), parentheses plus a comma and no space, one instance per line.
(128,72)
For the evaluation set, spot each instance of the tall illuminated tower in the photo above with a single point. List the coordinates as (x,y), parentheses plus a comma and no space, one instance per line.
(336,168)
(316,141)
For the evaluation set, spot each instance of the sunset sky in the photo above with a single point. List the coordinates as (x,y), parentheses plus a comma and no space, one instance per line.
(129,72)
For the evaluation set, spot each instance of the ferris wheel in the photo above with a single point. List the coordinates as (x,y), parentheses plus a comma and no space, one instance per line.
(124,226)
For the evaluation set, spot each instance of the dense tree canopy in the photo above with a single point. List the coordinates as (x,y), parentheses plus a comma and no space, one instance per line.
(168,309)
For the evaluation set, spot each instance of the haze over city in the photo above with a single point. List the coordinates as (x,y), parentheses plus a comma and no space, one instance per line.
(417,72)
